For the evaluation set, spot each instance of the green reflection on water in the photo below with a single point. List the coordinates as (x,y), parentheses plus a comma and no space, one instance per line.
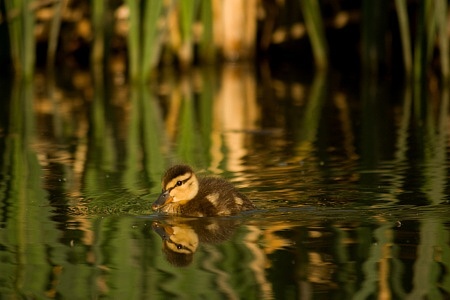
(23,203)
(347,206)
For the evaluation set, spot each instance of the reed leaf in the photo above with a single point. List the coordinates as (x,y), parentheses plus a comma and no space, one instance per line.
(54,32)
(421,44)
(151,44)
(134,38)
(405,34)
(421,58)
(430,27)
(316,32)
(207,49)
(441,8)
(28,41)
(15,31)
(188,11)
(21,30)
(98,21)
(373,25)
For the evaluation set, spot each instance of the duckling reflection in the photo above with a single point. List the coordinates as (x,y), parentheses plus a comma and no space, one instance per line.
(182,237)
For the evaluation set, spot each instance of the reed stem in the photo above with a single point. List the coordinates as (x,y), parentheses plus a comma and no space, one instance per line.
(151,44)
(315,27)
(54,33)
(441,7)
(134,38)
(21,29)
(404,34)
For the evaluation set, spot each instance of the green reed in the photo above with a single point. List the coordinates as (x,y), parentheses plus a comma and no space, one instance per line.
(21,23)
(431,26)
(151,36)
(403,20)
(187,16)
(441,7)
(206,49)
(373,31)
(55,28)
(144,43)
(422,43)
(98,24)
(316,31)
(148,29)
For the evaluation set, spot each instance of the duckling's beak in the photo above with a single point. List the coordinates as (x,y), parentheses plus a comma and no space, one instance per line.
(162,200)
(164,231)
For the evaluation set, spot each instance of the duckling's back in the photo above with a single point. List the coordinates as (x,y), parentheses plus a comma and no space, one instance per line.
(217,197)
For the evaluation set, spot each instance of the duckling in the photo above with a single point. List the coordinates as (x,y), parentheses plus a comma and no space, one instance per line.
(185,194)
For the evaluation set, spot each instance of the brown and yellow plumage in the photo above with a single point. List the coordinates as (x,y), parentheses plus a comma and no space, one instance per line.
(185,194)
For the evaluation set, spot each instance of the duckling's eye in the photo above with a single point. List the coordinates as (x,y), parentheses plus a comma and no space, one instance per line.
(179,182)
(179,247)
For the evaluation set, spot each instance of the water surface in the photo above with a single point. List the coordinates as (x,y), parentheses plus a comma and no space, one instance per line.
(350,177)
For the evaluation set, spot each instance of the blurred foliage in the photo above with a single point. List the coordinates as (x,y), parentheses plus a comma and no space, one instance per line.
(404,35)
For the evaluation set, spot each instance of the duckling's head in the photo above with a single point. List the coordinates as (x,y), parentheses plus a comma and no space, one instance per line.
(179,185)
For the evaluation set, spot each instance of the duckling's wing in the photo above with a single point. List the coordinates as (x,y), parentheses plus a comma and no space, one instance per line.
(223,196)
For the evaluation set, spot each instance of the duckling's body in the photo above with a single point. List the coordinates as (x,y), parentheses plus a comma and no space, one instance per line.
(185,194)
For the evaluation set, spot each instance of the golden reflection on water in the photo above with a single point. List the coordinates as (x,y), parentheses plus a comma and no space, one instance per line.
(337,213)
(235,110)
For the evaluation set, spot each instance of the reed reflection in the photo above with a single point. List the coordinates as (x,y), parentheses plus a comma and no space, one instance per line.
(94,149)
(235,112)
(207,112)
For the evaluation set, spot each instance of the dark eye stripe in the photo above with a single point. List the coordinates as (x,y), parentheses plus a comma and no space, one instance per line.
(182,182)
(179,246)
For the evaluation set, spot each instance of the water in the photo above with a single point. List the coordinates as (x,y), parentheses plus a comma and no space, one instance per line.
(350,177)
